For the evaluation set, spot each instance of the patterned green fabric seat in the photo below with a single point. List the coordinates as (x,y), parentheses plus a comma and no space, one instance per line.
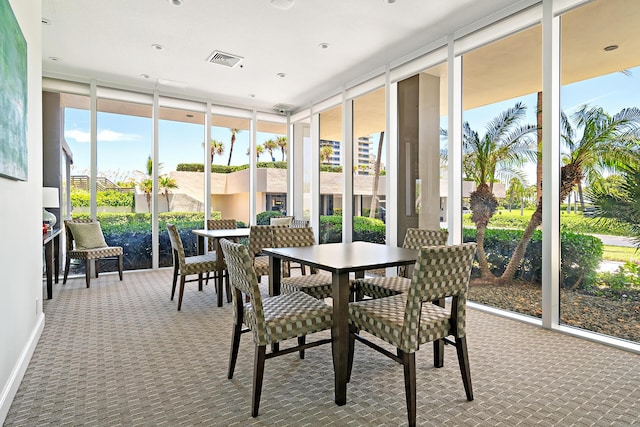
(89,233)
(184,266)
(380,287)
(316,285)
(270,319)
(419,316)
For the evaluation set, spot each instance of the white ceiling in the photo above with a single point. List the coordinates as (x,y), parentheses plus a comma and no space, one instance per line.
(110,41)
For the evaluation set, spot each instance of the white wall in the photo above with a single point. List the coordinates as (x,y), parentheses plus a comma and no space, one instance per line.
(21,290)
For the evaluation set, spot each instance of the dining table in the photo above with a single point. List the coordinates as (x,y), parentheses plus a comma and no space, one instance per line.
(340,259)
(216,235)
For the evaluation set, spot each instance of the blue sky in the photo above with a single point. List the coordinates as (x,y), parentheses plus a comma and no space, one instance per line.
(124,142)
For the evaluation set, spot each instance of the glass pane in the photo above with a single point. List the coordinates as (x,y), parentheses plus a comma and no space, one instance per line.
(369,168)
(501,84)
(600,174)
(271,150)
(331,175)
(77,134)
(180,183)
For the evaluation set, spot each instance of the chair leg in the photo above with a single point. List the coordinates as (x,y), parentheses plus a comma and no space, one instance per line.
(200,281)
(235,344)
(463,360)
(67,264)
(228,286)
(97,266)
(301,341)
(87,273)
(258,374)
(120,267)
(175,280)
(182,279)
(352,342)
(409,363)
(438,353)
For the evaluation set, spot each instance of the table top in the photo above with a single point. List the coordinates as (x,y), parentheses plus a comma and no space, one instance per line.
(347,257)
(224,233)
(49,235)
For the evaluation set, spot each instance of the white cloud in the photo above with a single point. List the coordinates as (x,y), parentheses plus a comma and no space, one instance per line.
(104,135)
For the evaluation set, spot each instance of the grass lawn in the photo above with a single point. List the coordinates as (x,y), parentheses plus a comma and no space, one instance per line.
(620,253)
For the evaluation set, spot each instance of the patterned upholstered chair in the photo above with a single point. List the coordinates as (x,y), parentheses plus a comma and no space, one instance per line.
(378,287)
(270,319)
(260,237)
(316,285)
(299,223)
(219,224)
(412,318)
(85,241)
(184,266)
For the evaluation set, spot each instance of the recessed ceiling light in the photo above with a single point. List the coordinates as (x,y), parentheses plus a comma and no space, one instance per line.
(282,4)
(45,21)
(281,75)
(323,45)
(389,1)
(176,2)
(54,58)
(252,95)
(145,76)
(611,47)
(156,46)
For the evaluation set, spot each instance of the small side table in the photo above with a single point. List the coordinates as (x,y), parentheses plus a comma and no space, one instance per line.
(51,243)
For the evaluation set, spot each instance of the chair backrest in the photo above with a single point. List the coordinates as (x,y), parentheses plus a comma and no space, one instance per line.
(419,237)
(299,223)
(243,278)
(292,237)
(176,244)
(219,224)
(440,272)
(67,230)
(260,237)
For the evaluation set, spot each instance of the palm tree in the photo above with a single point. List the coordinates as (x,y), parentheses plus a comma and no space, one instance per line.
(217,148)
(167,183)
(146,185)
(620,201)
(498,154)
(282,143)
(606,143)
(270,145)
(234,131)
(376,179)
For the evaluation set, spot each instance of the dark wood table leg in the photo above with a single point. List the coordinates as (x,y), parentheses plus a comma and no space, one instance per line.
(48,260)
(275,271)
(219,284)
(56,258)
(340,334)
(200,245)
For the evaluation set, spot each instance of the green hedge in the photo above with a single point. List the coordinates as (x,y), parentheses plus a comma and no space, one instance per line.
(199,167)
(364,229)
(580,255)
(82,198)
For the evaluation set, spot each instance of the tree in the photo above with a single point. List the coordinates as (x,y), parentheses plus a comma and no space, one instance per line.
(496,155)
(606,142)
(167,183)
(282,143)
(620,200)
(217,148)
(326,151)
(376,179)
(259,152)
(234,132)
(146,185)
(270,145)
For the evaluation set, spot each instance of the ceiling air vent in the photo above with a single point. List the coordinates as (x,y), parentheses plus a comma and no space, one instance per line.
(226,59)
(282,108)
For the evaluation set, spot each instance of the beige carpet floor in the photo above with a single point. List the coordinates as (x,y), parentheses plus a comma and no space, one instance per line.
(120,354)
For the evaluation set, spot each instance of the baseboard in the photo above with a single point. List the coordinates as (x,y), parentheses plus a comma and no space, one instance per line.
(11,388)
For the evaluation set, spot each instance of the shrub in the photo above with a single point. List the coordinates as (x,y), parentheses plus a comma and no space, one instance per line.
(580,255)
(364,229)
(264,218)
(82,198)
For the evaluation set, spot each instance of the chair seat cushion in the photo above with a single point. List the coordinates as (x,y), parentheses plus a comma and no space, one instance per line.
(288,316)
(380,287)
(384,318)
(199,264)
(105,252)
(316,285)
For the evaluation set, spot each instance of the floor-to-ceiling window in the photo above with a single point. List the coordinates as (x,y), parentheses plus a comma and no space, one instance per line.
(181,192)
(331,175)
(369,167)
(600,173)
(272,163)
(501,95)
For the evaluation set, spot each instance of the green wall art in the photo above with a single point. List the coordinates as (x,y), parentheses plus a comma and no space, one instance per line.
(13,96)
